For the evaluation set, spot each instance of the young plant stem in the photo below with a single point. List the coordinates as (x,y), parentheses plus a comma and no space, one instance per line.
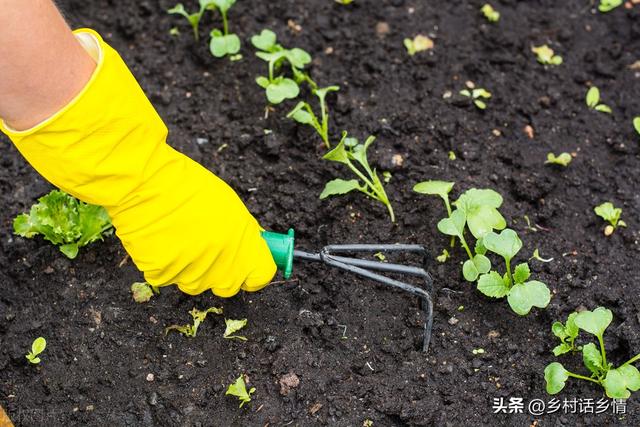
(325,123)
(463,242)
(632,360)
(582,377)
(508,263)
(377,194)
(225,24)
(604,354)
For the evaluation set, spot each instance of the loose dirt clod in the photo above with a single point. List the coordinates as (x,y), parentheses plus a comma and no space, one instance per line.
(287,382)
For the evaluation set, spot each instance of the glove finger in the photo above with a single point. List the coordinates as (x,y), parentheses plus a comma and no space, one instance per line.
(263,267)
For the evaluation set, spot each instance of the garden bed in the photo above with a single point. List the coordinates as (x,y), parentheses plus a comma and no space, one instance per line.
(353,345)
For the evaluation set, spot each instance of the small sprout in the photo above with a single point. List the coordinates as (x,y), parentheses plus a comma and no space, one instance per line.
(386,176)
(344,2)
(64,221)
(380,256)
(610,213)
(545,55)
(444,256)
(452,155)
(367,423)
(232,327)
(636,124)
(350,152)
(37,346)
(490,13)
(436,188)
(418,44)
(239,389)
(567,334)
(198,317)
(303,113)
(563,159)
(192,18)
(461,308)
(477,351)
(618,383)
(174,32)
(235,58)
(142,291)
(536,256)
(222,42)
(477,95)
(528,221)
(608,5)
(593,101)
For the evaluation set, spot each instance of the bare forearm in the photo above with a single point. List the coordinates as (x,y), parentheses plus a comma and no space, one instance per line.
(42,65)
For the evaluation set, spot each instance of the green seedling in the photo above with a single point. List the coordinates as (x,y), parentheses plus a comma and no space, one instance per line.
(354,155)
(477,351)
(441,189)
(279,88)
(537,257)
(452,155)
(611,214)
(618,383)
(490,13)
(563,159)
(443,257)
(303,113)
(37,346)
(174,32)
(608,5)
(239,389)
(192,18)
(222,42)
(522,294)
(636,124)
(546,56)
(142,291)
(567,334)
(233,326)
(593,101)
(64,221)
(477,96)
(418,44)
(344,2)
(198,317)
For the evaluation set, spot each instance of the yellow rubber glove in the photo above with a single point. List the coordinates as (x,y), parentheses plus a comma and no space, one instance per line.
(179,223)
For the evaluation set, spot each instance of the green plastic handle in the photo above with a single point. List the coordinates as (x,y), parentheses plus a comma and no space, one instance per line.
(281,247)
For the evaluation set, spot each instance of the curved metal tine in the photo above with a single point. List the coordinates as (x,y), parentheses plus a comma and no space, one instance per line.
(389,267)
(427,305)
(365,247)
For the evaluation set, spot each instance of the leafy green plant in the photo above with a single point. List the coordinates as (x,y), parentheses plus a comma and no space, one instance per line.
(636,124)
(477,96)
(278,87)
(303,113)
(546,56)
(490,13)
(611,214)
(608,5)
(354,155)
(222,42)
(192,18)
(618,383)
(64,221)
(198,317)
(567,334)
(418,44)
(436,188)
(563,159)
(142,291)
(239,389)
(37,346)
(522,294)
(233,326)
(593,100)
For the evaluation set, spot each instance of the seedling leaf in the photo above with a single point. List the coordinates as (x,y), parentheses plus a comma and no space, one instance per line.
(592,358)
(506,244)
(266,40)
(37,346)
(608,5)
(490,13)
(472,268)
(480,207)
(556,376)
(222,45)
(619,381)
(339,186)
(233,326)
(493,285)
(239,389)
(454,225)
(142,292)
(593,97)
(280,89)
(610,213)
(595,322)
(524,296)
(521,273)
(563,159)
(636,124)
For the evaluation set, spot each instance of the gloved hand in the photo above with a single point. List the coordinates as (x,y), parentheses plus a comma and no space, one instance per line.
(179,223)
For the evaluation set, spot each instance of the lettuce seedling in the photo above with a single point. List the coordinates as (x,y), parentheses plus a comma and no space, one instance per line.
(193,18)
(545,55)
(477,96)
(65,221)
(222,42)
(490,13)
(608,5)
(232,326)
(142,291)
(351,153)
(239,389)
(618,383)
(593,100)
(567,334)
(418,44)
(611,214)
(279,88)
(37,346)
(303,113)
(198,318)
(522,294)
(636,124)
(563,159)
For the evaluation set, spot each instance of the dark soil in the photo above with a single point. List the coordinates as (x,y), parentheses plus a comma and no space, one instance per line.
(102,346)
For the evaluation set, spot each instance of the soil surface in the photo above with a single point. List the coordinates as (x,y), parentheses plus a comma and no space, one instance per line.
(354,346)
